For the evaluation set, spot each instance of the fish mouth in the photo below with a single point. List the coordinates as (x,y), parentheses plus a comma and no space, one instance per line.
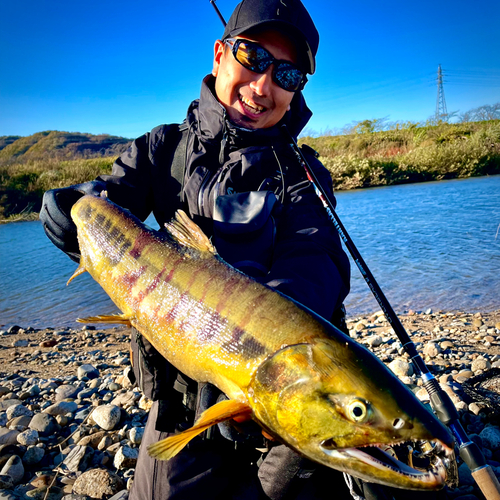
(373,463)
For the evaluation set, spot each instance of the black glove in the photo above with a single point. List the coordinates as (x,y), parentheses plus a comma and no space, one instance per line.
(56,218)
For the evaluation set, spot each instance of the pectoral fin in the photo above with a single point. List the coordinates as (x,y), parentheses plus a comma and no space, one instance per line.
(115,319)
(225,410)
(80,270)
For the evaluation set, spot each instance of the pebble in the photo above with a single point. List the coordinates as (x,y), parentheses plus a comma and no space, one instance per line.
(13,468)
(61,408)
(45,424)
(107,417)
(401,368)
(105,445)
(28,437)
(98,483)
(87,371)
(33,455)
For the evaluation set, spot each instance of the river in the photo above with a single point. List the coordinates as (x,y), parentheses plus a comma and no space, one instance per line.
(429,245)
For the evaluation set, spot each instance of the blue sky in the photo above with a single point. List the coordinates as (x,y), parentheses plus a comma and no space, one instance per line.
(124,67)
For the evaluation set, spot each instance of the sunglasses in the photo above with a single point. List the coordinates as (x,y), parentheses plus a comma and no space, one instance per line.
(256,58)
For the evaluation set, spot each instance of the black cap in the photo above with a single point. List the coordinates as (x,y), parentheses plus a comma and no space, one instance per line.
(291,16)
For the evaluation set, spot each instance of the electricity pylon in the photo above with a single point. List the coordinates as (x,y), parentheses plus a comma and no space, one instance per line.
(441,111)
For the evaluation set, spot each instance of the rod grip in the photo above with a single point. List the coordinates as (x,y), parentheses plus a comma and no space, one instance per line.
(487,482)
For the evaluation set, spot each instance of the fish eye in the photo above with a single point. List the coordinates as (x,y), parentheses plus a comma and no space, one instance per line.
(357,410)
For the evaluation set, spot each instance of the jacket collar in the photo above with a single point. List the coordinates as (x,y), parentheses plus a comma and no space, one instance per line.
(211,123)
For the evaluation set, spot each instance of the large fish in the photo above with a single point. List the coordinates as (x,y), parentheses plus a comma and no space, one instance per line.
(306,383)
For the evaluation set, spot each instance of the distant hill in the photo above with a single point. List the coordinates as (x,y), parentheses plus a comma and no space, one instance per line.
(61,145)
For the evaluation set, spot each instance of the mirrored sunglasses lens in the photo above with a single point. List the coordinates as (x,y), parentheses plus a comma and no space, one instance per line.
(288,78)
(253,57)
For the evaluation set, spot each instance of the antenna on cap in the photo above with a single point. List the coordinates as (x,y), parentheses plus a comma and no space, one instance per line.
(218,13)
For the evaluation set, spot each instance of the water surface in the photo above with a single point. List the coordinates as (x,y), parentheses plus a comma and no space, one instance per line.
(430,245)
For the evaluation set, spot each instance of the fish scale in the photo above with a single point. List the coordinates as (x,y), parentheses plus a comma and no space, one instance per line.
(305,382)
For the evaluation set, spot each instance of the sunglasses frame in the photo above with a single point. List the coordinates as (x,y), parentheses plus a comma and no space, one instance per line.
(236,42)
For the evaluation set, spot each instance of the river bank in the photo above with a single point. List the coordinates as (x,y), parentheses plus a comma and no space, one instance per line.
(358,158)
(71,421)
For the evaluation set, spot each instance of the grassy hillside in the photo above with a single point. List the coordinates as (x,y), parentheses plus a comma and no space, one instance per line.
(362,157)
(410,153)
(31,165)
(62,145)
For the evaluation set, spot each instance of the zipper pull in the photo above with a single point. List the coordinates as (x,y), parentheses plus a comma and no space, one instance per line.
(222,154)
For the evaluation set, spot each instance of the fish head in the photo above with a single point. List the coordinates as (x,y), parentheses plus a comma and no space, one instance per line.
(337,404)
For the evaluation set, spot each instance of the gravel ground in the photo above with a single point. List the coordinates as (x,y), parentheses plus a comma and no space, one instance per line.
(71,422)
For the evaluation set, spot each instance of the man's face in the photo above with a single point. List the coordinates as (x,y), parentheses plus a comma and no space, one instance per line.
(253,100)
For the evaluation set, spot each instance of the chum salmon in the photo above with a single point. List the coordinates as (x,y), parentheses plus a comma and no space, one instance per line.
(302,380)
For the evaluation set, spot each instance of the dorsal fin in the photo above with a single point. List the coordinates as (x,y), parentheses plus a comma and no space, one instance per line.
(187,233)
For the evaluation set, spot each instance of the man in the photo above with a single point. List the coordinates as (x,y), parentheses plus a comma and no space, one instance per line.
(231,168)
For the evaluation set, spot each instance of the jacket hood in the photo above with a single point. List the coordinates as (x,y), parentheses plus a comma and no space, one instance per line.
(208,117)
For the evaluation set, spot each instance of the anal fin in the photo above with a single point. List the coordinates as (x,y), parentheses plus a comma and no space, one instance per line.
(225,410)
(116,319)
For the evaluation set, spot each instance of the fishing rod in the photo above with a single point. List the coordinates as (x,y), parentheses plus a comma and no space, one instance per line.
(439,399)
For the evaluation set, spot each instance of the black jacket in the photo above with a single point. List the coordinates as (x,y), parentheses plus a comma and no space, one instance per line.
(306,260)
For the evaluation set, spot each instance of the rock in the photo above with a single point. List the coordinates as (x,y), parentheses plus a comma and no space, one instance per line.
(465,475)
(126,399)
(136,434)
(126,457)
(491,437)
(480,364)
(61,408)
(447,345)
(48,343)
(105,443)
(6,482)
(477,322)
(28,437)
(8,436)
(33,455)
(358,327)
(43,480)
(66,391)
(44,423)
(432,350)
(10,495)
(8,403)
(14,468)
(375,341)
(87,393)
(19,423)
(98,483)
(18,411)
(20,343)
(401,368)
(121,495)
(145,403)
(92,440)
(107,417)
(54,493)
(78,459)
(87,371)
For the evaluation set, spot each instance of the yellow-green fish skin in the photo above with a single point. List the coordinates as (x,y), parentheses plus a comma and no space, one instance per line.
(307,383)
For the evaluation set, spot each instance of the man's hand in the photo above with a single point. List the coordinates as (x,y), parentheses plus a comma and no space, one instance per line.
(56,215)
